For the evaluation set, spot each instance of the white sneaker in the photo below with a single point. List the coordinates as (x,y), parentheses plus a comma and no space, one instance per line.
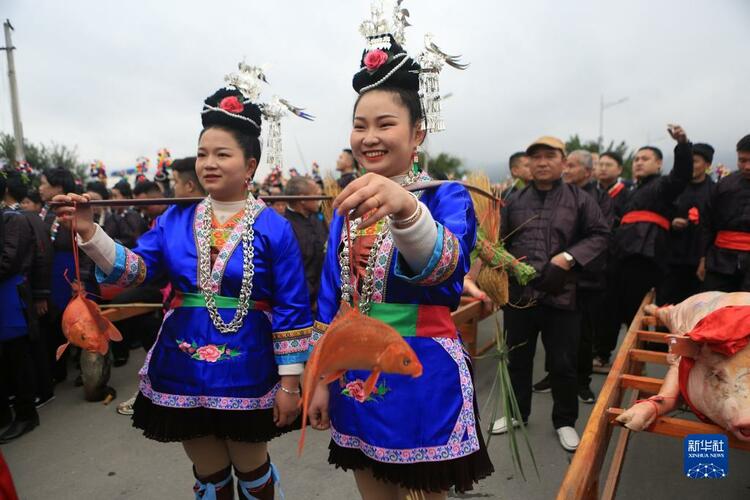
(568,438)
(126,407)
(501,425)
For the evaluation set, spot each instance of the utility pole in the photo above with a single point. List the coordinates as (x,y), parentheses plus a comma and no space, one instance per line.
(602,106)
(17,128)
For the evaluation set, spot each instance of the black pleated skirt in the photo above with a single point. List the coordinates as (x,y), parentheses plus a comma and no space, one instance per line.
(165,424)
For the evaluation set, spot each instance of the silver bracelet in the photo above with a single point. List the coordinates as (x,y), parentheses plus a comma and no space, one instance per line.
(289,391)
(402,223)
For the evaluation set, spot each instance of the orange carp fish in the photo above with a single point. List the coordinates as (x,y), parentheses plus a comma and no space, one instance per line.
(354,341)
(85,327)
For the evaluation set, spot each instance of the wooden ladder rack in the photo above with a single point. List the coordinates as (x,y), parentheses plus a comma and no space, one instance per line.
(582,480)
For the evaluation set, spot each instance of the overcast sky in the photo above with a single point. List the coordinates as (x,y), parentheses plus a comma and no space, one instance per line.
(124,79)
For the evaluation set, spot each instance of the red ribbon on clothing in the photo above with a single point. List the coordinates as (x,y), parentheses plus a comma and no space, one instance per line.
(733,240)
(645,216)
(694,215)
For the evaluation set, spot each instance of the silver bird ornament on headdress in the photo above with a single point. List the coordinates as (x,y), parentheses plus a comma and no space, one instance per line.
(431,61)
(453,61)
(247,80)
(297,111)
(273,112)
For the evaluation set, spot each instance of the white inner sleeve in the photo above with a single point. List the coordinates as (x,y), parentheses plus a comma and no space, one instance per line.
(293,369)
(416,242)
(100,248)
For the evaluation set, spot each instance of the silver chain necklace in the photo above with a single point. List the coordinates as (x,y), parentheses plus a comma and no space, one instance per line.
(347,288)
(248,268)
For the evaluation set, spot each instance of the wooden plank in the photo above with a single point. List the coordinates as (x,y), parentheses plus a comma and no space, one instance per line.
(119,314)
(581,481)
(659,358)
(656,337)
(466,318)
(134,304)
(680,427)
(467,311)
(618,458)
(649,385)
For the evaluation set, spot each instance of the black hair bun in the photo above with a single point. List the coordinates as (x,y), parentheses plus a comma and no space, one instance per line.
(229,108)
(387,66)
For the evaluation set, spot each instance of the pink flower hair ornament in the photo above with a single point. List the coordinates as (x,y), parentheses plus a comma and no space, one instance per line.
(375,59)
(232,105)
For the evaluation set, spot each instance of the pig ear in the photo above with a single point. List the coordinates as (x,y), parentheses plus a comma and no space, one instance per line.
(682,345)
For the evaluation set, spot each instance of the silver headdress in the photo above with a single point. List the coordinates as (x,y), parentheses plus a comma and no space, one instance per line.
(377,28)
(431,61)
(248,80)
(377,70)
(273,112)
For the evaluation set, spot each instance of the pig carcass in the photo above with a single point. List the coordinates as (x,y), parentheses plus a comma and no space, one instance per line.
(709,363)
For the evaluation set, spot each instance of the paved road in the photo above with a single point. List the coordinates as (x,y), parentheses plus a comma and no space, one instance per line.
(87,451)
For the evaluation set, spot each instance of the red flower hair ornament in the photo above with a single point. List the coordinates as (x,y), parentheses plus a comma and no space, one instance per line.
(232,105)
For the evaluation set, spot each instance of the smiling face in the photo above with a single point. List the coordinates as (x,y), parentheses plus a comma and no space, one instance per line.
(221,165)
(384,137)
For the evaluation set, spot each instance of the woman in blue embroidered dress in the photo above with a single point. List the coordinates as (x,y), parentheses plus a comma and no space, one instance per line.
(223,375)
(408,256)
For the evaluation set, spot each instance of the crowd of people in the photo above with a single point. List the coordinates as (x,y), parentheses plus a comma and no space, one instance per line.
(246,288)
(599,243)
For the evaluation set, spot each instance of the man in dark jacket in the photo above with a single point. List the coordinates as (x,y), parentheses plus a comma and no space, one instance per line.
(518,164)
(56,181)
(641,241)
(726,234)
(558,229)
(310,230)
(39,284)
(685,236)
(608,172)
(591,283)
(17,317)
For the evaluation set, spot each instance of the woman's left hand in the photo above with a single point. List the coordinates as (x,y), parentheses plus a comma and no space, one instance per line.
(286,406)
(377,194)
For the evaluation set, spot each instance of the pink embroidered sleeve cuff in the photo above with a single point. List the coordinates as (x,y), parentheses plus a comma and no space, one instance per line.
(291,346)
(128,269)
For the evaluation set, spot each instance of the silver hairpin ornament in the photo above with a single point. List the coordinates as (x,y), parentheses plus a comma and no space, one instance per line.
(273,112)
(431,60)
(248,80)
(378,29)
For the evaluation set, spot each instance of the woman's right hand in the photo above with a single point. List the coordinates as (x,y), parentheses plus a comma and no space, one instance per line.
(84,216)
(318,412)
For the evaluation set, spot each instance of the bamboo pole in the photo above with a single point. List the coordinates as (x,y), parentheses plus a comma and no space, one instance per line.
(419,186)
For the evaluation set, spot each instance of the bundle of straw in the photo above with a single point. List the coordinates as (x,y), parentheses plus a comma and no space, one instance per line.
(497,262)
(503,398)
(330,188)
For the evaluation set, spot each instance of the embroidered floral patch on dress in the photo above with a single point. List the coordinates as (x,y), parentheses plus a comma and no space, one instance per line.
(210,353)
(356,390)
